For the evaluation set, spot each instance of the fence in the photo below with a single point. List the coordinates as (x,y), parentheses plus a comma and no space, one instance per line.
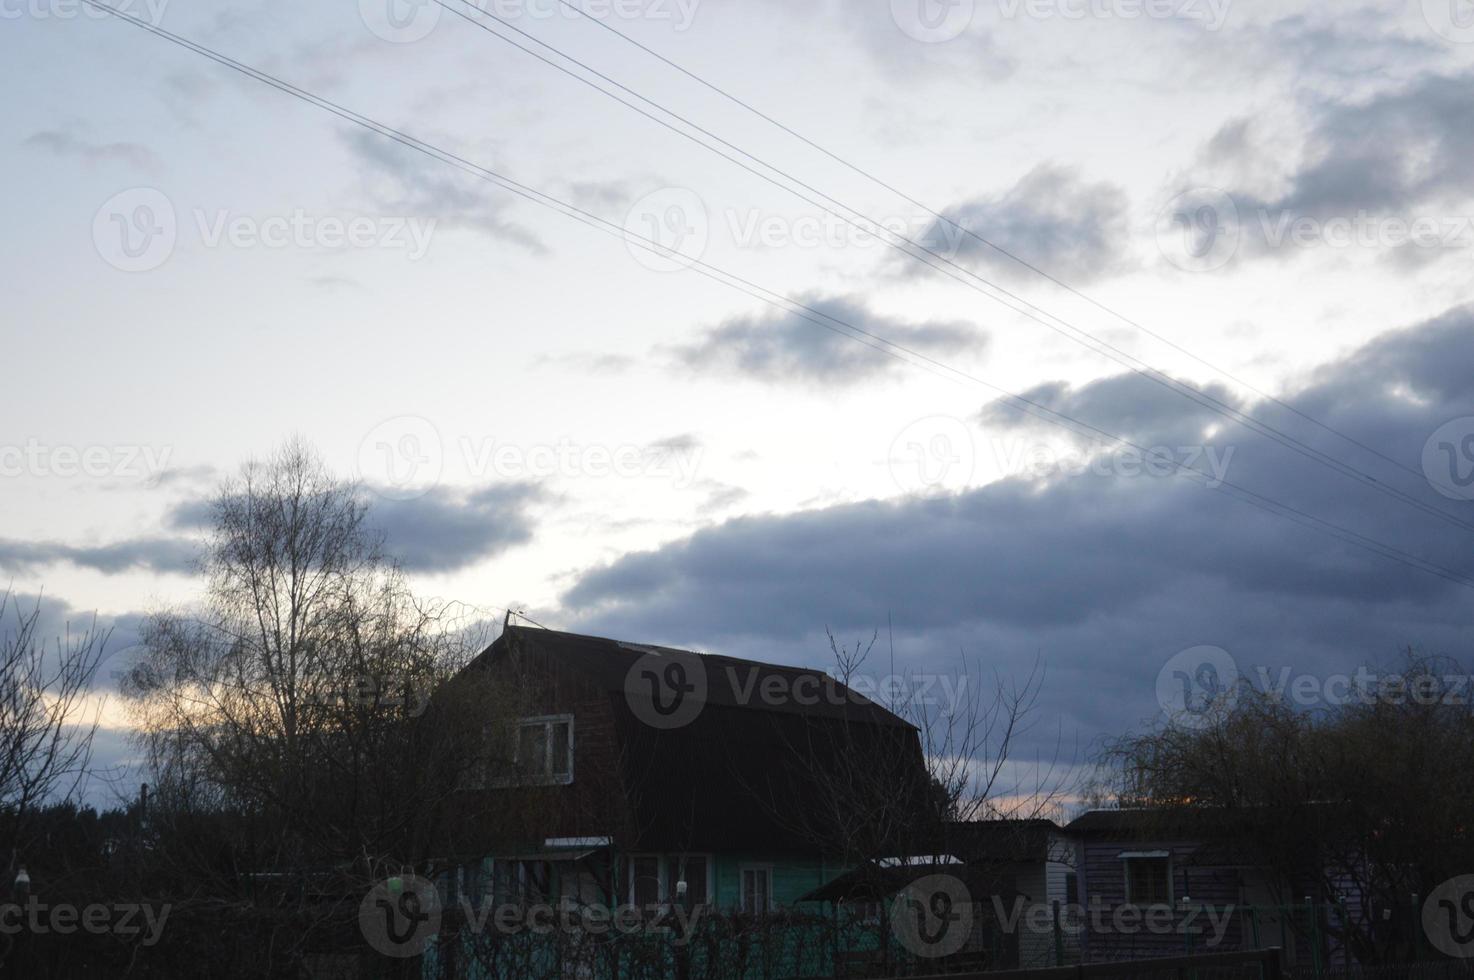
(1264,964)
(1306,941)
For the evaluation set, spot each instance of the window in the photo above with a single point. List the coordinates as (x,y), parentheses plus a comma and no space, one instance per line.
(1072,888)
(545,749)
(1148,878)
(757,889)
(645,881)
(691,869)
(519,881)
(652,879)
(473,882)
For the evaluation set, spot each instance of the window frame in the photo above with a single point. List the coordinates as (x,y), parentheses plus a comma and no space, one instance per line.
(545,776)
(742,892)
(1129,858)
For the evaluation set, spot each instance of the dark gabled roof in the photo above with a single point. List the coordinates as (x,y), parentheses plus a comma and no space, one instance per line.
(730,681)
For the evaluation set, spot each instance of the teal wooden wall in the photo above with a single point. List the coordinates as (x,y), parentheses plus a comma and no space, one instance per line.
(792,877)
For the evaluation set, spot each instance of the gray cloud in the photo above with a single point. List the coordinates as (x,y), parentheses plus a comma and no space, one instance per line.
(779,346)
(449,529)
(1400,149)
(1104,576)
(153,554)
(59,623)
(1340,42)
(443,530)
(202,473)
(69,144)
(1052,218)
(408,184)
(1130,405)
(1397,154)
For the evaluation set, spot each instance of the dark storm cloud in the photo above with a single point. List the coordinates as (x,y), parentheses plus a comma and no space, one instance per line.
(407,184)
(779,346)
(449,529)
(1102,575)
(150,554)
(1052,218)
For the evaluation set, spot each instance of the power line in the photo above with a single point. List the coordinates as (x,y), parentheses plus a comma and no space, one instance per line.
(940,216)
(794,307)
(1027,308)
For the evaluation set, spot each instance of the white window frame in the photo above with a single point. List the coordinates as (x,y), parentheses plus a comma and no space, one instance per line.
(545,776)
(1127,857)
(767,870)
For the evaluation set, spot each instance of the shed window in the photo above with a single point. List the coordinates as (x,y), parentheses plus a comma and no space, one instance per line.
(1148,880)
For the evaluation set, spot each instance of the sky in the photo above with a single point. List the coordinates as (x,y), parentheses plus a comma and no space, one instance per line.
(1235,235)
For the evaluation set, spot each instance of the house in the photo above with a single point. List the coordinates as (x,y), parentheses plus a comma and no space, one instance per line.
(1176,880)
(1020,877)
(645,776)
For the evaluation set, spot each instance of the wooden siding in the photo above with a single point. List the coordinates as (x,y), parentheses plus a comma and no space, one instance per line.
(792,877)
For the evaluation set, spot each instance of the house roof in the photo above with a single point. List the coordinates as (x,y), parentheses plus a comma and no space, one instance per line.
(1153,822)
(748,770)
(1000,841)
(972,851)
(730,681)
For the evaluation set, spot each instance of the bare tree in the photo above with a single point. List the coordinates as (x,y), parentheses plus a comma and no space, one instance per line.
(297,722)
(1360,804)
(45,730)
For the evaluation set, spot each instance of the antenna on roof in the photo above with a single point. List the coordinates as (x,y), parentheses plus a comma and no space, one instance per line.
(524,616)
